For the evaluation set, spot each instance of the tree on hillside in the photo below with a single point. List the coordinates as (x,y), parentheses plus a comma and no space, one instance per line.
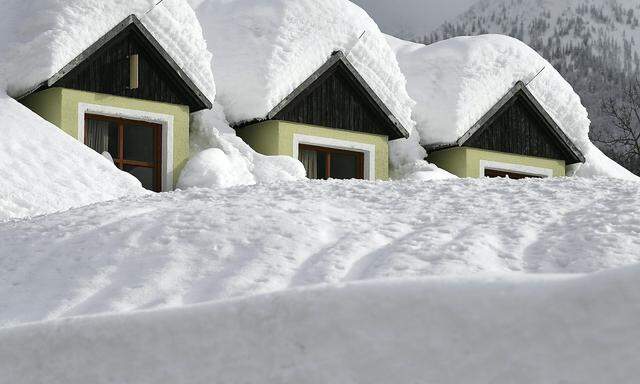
(622,141)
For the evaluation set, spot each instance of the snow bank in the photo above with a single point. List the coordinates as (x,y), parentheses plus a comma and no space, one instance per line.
(223,160)
(38,38)
(44,170)
(200,245)
(527,330)
(456,81)
(266,48)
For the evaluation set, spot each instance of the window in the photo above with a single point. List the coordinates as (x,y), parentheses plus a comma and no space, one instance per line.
(511,175)
(134,146)
(329,163)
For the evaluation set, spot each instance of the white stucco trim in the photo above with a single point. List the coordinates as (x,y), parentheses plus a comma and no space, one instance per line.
(369,150)
(517,168)
(167,131)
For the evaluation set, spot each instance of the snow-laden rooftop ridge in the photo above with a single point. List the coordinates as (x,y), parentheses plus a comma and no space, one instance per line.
(456,82)
(265,50)
(57,31)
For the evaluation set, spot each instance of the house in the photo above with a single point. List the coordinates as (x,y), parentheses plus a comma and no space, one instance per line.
(516,138)
(333,123)
(490,106)
(315,81)
(126,98)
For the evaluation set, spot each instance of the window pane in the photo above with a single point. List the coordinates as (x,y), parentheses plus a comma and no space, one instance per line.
(139,144)
(309,159)
(147,176)
(322,165)
(511,175)
(344,165)
(102,136)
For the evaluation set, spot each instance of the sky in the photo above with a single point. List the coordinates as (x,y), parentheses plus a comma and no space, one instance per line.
(408,18)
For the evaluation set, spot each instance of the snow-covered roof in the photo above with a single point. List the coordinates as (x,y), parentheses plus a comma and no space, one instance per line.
(37,39)
(519,90)
(456,82)
(265,49)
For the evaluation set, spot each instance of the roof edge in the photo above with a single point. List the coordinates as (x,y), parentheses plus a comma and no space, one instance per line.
(439,146)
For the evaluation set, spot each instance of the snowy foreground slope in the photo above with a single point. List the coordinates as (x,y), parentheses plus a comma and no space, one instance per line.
(539,329)
(43,170)
(200,245)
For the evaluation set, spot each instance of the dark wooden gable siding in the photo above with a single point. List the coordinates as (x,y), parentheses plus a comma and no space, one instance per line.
(337,100)
(108,69)
(518,128)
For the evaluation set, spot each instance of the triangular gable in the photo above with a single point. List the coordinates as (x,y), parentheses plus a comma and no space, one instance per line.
(336,96)
(104,68)
(537,134)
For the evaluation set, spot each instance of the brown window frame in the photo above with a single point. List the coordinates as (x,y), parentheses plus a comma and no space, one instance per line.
(120,161)
(328,151)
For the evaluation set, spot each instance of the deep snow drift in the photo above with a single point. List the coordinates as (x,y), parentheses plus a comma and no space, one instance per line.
(511,330)
(44,170)
(456,81)
(265,49)
(200,245)
(220,159)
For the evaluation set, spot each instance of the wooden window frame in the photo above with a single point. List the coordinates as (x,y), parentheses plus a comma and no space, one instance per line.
(329,150)
(120,161)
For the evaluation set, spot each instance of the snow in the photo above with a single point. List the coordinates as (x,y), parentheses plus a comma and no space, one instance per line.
(175,249)
(37,179)
(291,281)
(457,81)
(222,160)
(44,170)
(540,329)
(265,49)
(56,31)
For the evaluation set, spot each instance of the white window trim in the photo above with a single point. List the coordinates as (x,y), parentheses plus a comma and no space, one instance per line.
(369,150)
(158,118)
(517,168)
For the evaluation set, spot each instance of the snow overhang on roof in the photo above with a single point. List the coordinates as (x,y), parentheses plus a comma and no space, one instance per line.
(264,50)
(200,100)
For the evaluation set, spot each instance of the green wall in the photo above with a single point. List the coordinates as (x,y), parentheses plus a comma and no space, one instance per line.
(465,162)
(276,138)
(453,160)
(262,137)
(47,104)
(60,107)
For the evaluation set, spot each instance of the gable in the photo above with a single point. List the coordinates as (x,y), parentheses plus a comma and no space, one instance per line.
(105,68)
(521,127)
(335,97)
